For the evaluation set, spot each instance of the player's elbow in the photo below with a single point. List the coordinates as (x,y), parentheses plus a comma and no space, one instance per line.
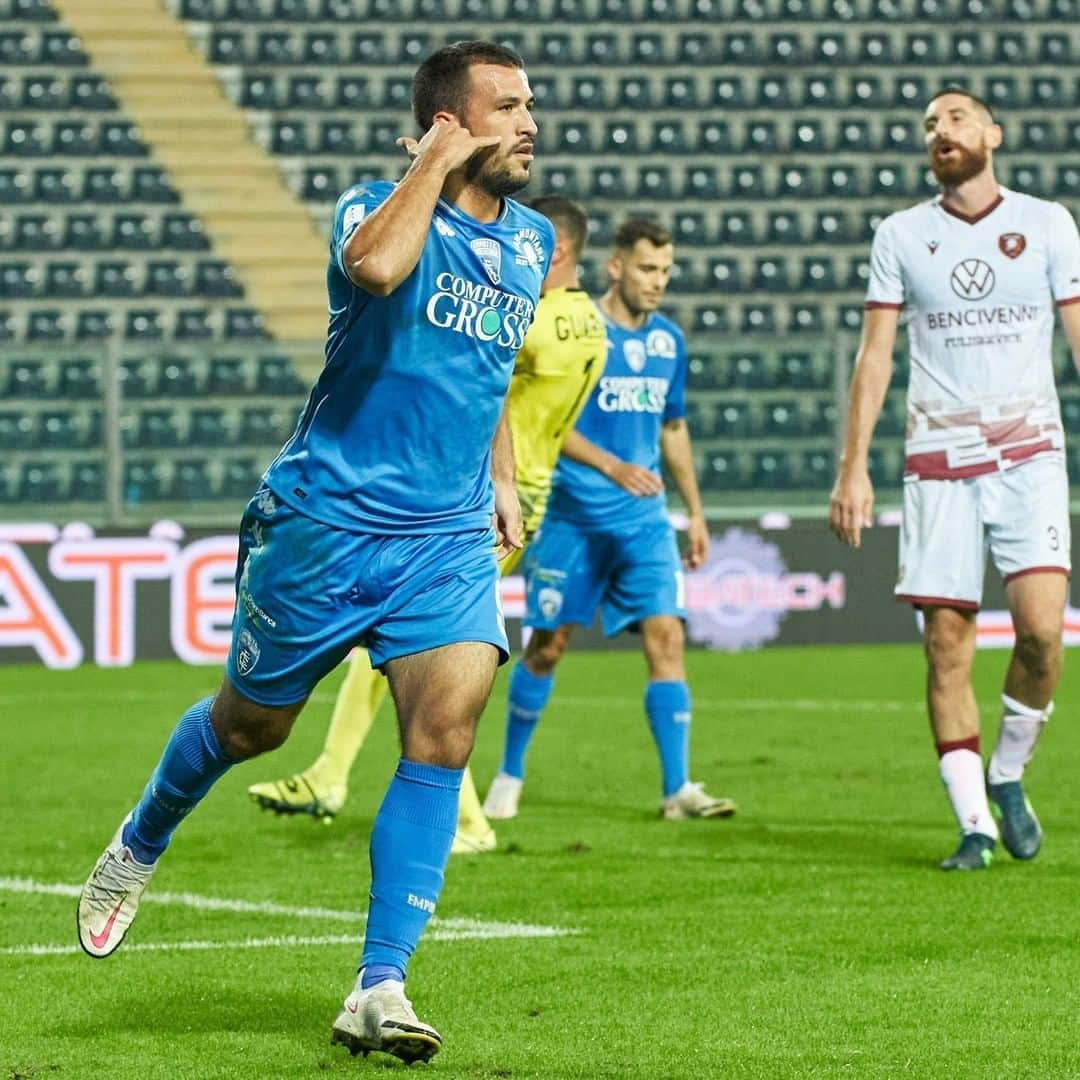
(366,273)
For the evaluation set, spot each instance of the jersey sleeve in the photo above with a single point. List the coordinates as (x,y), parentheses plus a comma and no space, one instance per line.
(351,209)
(886,287)
(675,406)
(1063,251)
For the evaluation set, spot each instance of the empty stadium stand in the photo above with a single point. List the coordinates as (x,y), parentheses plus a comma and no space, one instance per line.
(771,136)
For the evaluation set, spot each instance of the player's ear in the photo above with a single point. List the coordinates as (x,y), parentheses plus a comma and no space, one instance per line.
(614,268)
(446,117)
(994,136)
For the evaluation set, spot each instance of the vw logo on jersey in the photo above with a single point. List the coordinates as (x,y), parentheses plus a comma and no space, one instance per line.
(490,254)
(972,279)
(660,343)
(634,354)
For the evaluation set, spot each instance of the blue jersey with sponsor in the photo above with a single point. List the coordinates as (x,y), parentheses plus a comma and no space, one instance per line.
(643,385)
(396,434)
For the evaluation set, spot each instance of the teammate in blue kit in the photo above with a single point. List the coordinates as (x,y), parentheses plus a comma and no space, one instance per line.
(374,525)
(606,541)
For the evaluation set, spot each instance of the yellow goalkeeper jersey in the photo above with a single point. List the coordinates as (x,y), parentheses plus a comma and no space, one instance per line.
(559,363)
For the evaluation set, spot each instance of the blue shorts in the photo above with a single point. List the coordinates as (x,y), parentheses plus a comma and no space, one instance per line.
(307,593)
(630,575)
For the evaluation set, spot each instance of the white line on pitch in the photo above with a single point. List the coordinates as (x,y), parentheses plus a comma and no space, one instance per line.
(480,932)
(448,928)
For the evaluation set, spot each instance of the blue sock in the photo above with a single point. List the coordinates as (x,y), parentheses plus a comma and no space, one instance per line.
(410,846)
(529,694)
(192,762)
(667,705)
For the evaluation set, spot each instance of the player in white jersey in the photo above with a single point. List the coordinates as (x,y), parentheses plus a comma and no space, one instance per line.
(976,275)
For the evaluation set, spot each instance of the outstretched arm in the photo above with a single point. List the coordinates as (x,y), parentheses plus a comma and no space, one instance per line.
(852,502)
(678,455)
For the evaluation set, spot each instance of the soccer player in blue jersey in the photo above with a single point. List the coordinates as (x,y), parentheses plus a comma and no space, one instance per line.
(606,540)
(374,525)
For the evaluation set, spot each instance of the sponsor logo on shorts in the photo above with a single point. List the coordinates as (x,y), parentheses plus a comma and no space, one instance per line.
(247,652)
(972,279)
(253,610)
(550,602)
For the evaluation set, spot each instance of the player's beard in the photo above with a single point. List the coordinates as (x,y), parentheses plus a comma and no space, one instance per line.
(967,164)
(496,179)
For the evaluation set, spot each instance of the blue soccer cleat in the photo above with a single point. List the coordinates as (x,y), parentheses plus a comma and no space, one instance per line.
(976,852)
(1021,832)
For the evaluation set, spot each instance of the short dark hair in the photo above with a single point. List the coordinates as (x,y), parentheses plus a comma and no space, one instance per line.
(442,80)
(635,229)
(964,93)
(566,216)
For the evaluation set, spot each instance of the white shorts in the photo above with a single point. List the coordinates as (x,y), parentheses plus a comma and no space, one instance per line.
(1020,516)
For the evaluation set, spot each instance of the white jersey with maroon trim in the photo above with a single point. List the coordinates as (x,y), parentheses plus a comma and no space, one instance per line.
(978,299)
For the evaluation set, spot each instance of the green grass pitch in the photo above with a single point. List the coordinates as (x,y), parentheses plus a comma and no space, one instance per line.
(809,936)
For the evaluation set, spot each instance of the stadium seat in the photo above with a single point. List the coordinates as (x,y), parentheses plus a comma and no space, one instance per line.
(770,274)
(783,227)
(94,324)
(145,324)
(802,371)
(158,428)
(87,482)
(166,278)
(773,470)
(244,324)
(227,376)
(79,379)
(817,470)
(190,481)
(806,318)
(275,375)
(818,274)
(18,280)
(45,326)
(736,228)
(177,378)
(17,431)
(749,371)
(193,324)
(728,92)
(65,279)
(143,482)
(725,470)
(758,319)
(59,430)
(103,185)
(40,481)
(240,477)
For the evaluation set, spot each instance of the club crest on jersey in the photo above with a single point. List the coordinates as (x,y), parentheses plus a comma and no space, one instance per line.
(529,250)
(972,279)
(660,343)
(1012,244)
(490,254)
(634,354)
(247,652)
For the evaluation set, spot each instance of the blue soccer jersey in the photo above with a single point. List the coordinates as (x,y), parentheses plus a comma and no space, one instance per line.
(643,385)
(396,434)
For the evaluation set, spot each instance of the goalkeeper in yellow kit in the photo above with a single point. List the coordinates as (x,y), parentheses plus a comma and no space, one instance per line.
(559,364)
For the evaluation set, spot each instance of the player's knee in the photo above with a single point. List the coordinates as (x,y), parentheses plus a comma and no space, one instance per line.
(544,652)
(665,642)
(1039,650)
(948,654)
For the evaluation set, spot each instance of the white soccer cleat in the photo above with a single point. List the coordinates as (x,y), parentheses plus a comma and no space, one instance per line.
(693,801)
(382,1018)
(473,843)
(502,797)
(110,897)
